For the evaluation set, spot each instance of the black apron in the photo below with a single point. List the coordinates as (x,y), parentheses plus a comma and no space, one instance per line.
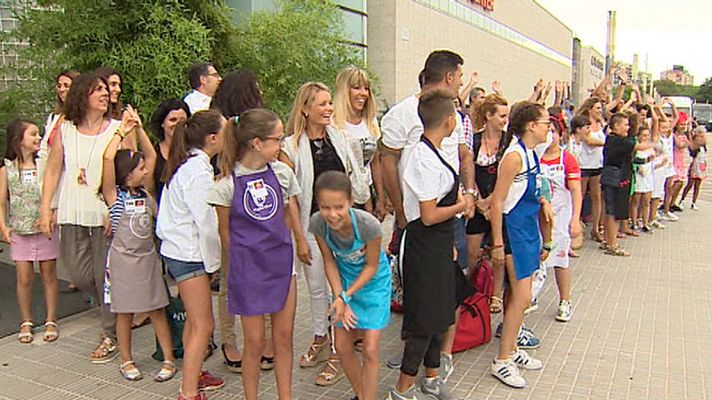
(429,299)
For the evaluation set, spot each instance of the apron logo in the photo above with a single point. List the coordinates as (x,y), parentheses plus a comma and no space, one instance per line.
(140,225)
(355,257)
(260,200)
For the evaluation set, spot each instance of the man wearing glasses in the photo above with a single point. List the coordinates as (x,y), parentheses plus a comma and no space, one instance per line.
(204,80)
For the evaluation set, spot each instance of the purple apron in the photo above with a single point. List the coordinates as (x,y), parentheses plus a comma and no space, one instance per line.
(260,246)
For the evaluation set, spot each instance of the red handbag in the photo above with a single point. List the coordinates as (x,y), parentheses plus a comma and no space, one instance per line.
(474,325)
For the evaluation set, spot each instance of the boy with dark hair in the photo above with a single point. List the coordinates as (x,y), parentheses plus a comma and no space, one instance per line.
(431,200)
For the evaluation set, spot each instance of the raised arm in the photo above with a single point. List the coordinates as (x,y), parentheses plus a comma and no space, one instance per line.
(536,93)
(465,92)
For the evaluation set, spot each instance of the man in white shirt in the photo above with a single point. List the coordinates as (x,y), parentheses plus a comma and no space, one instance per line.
(204,80)
(401,129)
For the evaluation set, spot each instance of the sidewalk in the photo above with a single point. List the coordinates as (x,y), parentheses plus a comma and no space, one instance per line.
(642,329)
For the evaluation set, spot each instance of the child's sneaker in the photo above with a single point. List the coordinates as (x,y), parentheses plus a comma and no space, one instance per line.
(533,307)
(446,366)
(565,311)
(409,394)
(669,216)
(657,224)
(527,339)
(694,206)
(647,229)
(435,387)
(523,360)
(209,382)
(507,372)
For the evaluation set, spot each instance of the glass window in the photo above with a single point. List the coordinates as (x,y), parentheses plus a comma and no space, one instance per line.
(354,27)
(359,5)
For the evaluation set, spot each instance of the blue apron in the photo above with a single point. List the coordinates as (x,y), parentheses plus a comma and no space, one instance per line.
(371,304)
(522,225)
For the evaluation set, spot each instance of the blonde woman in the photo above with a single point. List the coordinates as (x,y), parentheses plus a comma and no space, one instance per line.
(311,148)
(355,116)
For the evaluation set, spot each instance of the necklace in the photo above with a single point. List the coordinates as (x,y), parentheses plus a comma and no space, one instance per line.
(82,175)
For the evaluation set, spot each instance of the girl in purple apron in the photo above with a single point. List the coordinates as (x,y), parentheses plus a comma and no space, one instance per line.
(359,275)
(514,212)
(134,275)
(254,199)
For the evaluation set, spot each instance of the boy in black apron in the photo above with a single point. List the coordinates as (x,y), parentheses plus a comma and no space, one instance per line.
(431,201)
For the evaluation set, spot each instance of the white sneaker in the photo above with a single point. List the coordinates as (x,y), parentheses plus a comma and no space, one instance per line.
(657,224)
(669,216)
(446,366)
(565,311)
(681,204)
(507,372)
(523,360)
(693,206)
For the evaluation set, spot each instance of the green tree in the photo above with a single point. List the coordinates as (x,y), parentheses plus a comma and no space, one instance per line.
(667,87)
(299,42)
(704,93)
(150,42)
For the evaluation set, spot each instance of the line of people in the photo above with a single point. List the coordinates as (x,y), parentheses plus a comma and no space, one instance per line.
(236,193)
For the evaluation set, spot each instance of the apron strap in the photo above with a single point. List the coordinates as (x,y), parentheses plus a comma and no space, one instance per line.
(430,144)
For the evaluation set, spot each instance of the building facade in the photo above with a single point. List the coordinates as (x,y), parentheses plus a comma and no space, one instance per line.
(678,75)
(516,43)
(589,72)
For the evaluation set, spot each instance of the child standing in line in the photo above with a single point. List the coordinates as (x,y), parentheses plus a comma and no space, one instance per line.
(135,275)
(19,184)
(644,181)
(698,167)
(564,176)
(256,204)
(358,270)
(188,228)
(431,201)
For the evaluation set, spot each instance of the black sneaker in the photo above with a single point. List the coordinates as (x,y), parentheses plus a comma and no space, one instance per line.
(675,208)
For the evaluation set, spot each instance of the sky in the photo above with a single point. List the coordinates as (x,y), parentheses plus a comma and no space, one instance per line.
(667,31)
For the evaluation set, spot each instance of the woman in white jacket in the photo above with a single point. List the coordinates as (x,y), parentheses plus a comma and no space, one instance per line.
(312,148)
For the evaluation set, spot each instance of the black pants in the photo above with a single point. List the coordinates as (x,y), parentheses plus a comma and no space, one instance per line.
(421,348)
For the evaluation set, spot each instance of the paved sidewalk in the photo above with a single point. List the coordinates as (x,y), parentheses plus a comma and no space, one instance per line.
(642,329)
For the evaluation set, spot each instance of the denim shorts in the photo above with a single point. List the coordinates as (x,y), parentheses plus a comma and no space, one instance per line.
(183,270)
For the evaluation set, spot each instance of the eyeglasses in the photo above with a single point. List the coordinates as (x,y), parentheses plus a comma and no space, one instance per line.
(214,74)
(543,121)
(279,139)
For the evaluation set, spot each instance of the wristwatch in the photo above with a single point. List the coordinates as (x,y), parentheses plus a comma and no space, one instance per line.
(473,192)
(345,297)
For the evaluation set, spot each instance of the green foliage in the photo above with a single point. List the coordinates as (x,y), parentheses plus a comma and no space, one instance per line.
(298,43)
(704,94)
(150,42)
(669,88)
(153,42)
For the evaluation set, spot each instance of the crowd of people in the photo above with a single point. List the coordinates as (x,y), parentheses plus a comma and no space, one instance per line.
(218,188)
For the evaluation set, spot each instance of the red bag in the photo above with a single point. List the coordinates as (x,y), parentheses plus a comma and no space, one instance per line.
(474,325)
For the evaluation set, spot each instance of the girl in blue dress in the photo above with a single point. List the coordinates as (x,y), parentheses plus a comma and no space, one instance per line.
(358,273)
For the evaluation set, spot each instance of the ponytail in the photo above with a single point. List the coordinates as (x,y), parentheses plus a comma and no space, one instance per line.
(190,134)
(522,113)
(240,131)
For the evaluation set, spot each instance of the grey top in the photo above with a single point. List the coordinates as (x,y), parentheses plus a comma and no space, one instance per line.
(368,228)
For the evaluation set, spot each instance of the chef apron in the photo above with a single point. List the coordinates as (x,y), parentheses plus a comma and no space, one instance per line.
(522,224)
(429,298)
(371,304)
(260,251)
(134,275)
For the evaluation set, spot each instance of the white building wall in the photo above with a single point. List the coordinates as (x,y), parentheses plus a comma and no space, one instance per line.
(401,34)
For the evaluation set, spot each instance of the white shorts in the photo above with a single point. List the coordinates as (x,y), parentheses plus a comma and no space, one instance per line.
(644,184)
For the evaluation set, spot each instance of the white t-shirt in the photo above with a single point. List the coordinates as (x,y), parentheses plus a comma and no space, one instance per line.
(223,189)
(363,144)
(197,101)
(401,129)
(668,145)
(519,185)
(425,178)
(591,157)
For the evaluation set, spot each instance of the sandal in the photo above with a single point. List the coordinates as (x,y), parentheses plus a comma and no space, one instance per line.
(573,254)
(26,337)
(618,251)
(266,363)
(105,352)
(331,373)
(316,353)
(495,305)
(233,365)
(632,233)
(51,332)
(130,374)
(166,373)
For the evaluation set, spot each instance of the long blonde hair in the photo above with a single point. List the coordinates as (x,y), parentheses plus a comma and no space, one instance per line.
(488,105)
(353,77)
(297,122)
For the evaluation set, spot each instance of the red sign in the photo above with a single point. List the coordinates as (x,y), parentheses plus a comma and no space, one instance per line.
(488,5)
